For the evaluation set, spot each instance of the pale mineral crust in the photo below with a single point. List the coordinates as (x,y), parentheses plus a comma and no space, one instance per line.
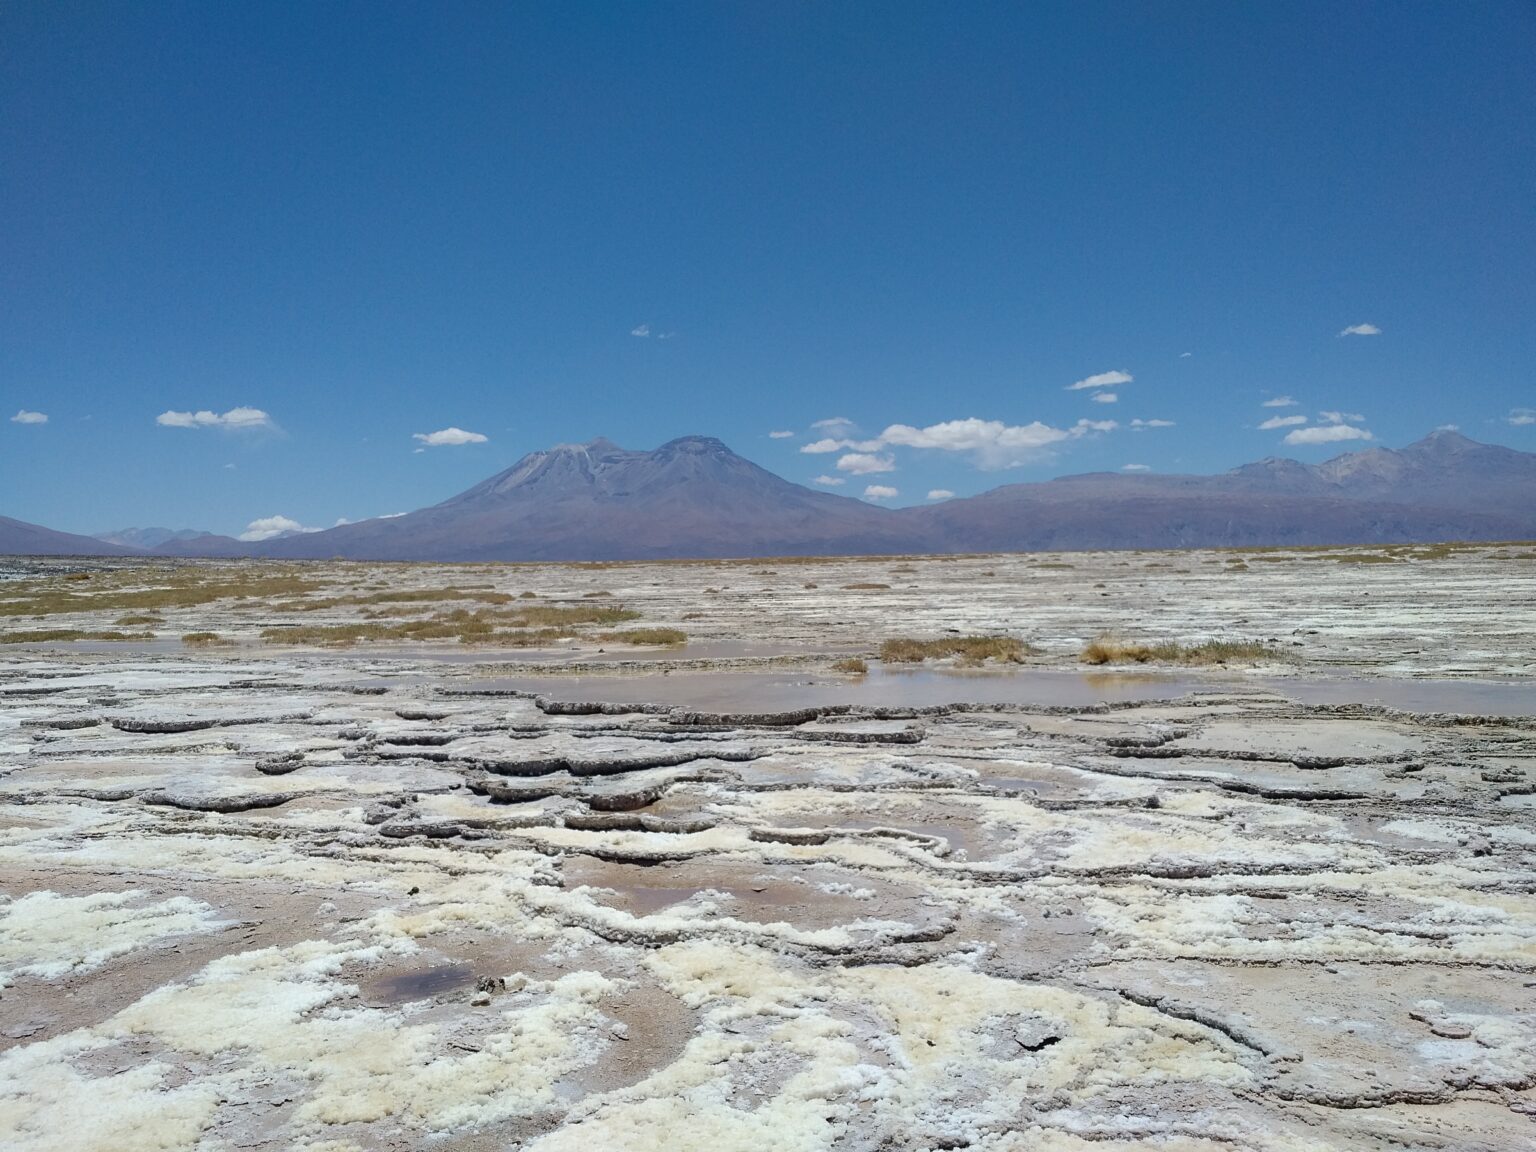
(271,896)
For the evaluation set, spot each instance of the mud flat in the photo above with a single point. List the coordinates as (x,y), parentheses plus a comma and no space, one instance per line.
(514,889)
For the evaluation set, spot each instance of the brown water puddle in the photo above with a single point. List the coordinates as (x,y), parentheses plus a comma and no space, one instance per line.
(417,984)
(915,688)
(773,692)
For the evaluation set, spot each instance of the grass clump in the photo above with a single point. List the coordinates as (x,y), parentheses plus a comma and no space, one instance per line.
(49,635)
(406,597)
(647,637)
(204,639)
(522,627)
(1111,650)
(866,586)
(137,618)
(1364,558)
(175,590)
(851,664)
(970,649)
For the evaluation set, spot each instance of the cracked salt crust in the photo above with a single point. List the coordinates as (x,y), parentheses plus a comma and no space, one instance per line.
(1007,935)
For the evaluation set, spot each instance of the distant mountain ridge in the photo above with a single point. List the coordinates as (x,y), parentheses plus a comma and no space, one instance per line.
(147,537)
(694,497)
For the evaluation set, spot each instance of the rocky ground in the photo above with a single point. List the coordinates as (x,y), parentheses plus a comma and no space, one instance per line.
(261,894)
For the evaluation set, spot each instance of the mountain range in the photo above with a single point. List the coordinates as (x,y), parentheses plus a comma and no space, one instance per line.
(694,497)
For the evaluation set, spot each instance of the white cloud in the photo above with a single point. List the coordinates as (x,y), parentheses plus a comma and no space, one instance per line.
(1327,434)
(236,418)
(269,526)
(940,494)
(1361,330)
(1185,355)
(832,422)
(1340,417)
(829,481)
(1102,380)
(26,417)
(1139,424)
(1521,416)
(1135,467)
(830,445)
(1448,428)
(990,443)
(1282,422)
(1105,397)
(1279,402)
(826,445)
(448,436)
(641,330)
(880,492)
(863,464)
(780,435)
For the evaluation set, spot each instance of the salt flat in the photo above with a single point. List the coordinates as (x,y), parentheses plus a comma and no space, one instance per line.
(260,891)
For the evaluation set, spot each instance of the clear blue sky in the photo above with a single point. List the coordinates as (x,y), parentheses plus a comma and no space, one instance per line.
(372,221)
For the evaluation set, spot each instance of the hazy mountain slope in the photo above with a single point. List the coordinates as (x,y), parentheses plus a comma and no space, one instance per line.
(206,544)
(1444,487)
(690,497)
(18,538)
(694,497)
(147,537)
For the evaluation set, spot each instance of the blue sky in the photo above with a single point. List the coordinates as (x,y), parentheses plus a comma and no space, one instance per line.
(540,223)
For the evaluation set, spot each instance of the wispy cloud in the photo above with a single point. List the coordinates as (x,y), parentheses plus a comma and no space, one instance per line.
(780,435)
(641,330)
(880,492)
(863,463)
(1105,397)
(1279,402)
(1102,380)
(1138,424)
(237,419)
(1185,355)
(271,526)
(940,494)
(448,436)
(26,417)
(1282,422)
(1135,467)
(1327,434)
(829,481)
(1361,330)
(832,423)
(1521,416)
(1339,417)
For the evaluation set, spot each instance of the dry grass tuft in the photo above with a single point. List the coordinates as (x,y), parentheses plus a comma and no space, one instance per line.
(647,637)
(49,635)
(970,649)
(205,639)
(866,586)
(523,627)
(176,588)
(1110,650)
(851,664)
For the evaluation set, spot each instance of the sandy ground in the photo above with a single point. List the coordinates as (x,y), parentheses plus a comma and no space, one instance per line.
(721,897)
